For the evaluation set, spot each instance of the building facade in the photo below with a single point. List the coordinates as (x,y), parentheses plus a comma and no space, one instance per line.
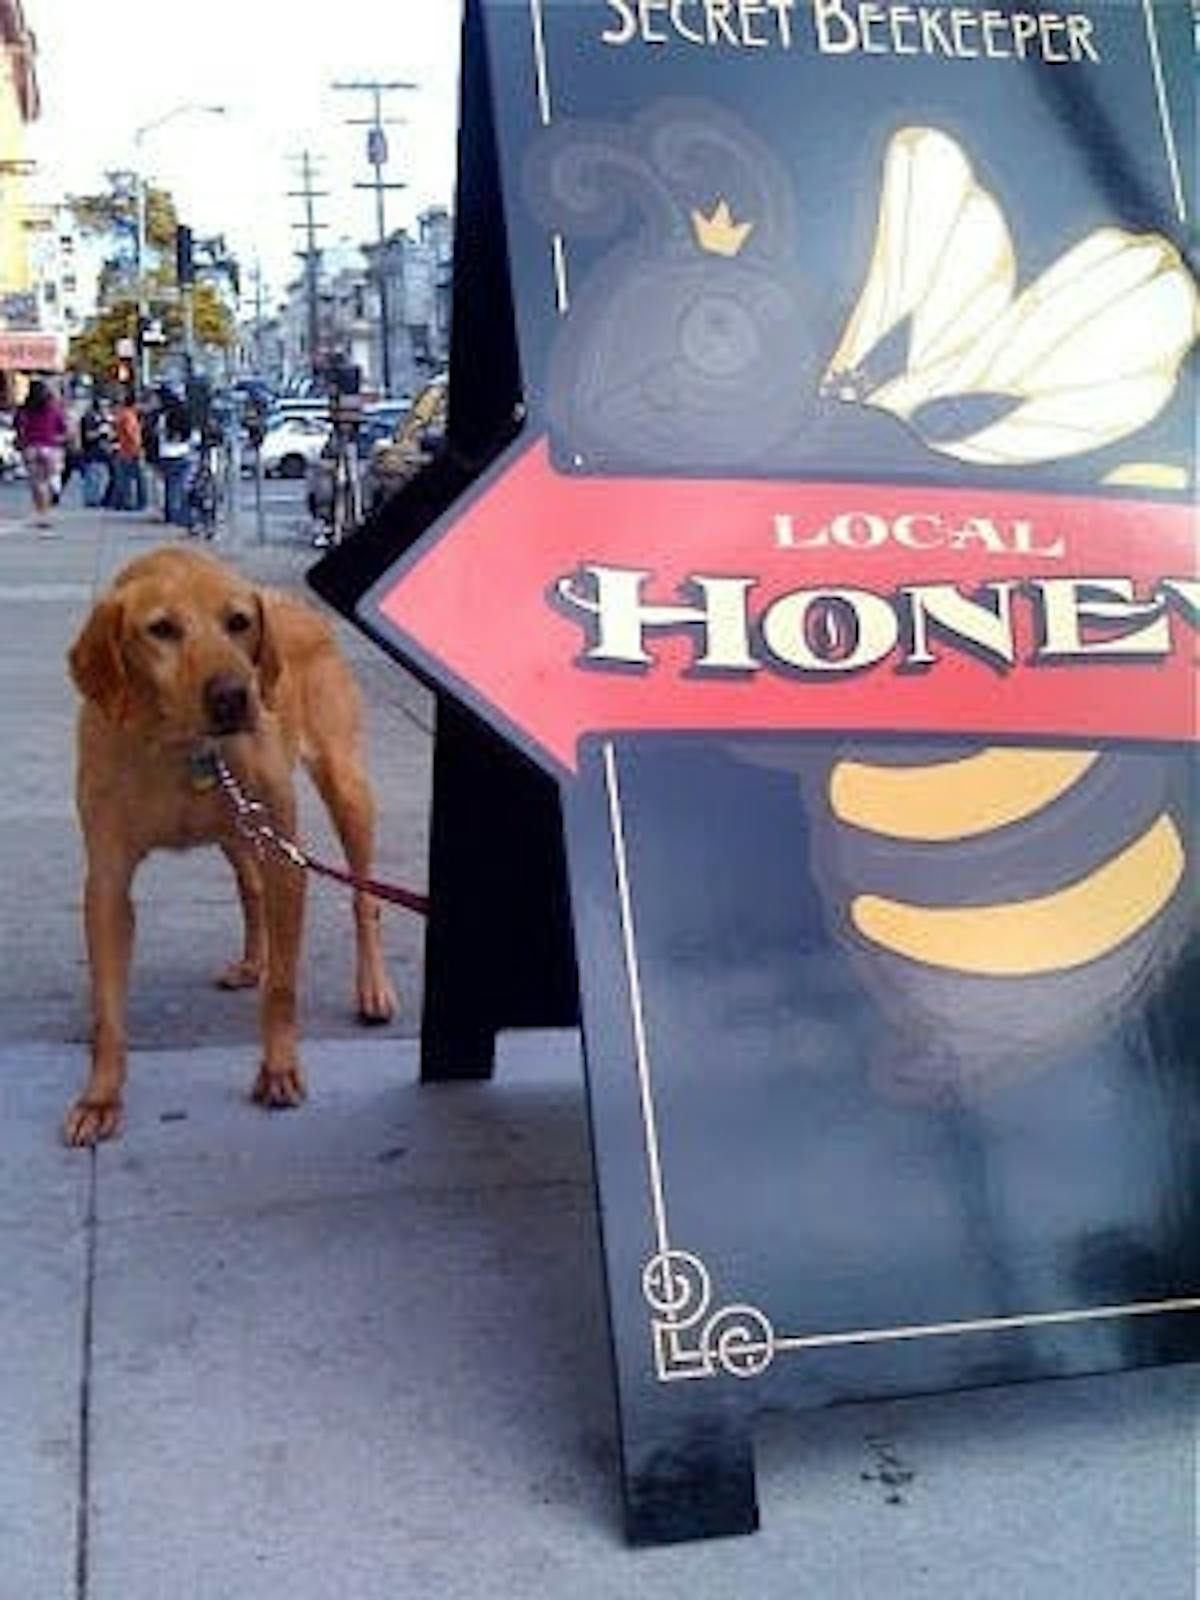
(418,269)
(20,104)
(346,321)
(64,269)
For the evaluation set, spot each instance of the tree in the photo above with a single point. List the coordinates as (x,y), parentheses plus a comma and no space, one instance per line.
(94,351)
(112,214)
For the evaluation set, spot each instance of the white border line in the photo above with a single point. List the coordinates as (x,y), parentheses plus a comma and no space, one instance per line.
(560,275)
(540,63)
(633,973)
(546,113)
(1040,1319)
(1164,109)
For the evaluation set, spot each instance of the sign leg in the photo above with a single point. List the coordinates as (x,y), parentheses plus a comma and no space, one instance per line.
(689,1475)
(499,951)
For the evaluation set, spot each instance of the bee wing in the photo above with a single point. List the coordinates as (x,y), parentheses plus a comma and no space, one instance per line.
(1085,356)
(1089,353)
(942,260)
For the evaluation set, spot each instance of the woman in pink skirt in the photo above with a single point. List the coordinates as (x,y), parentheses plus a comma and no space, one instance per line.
(41,434)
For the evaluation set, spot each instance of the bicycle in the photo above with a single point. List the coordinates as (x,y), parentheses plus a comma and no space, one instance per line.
(342,511)
(204,490)
(347,490)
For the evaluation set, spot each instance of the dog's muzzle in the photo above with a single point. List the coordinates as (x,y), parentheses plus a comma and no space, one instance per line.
(227,705)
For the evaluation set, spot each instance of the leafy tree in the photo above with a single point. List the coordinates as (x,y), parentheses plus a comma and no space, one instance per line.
(115,211)
(94,351)
(211,319)
(111,214)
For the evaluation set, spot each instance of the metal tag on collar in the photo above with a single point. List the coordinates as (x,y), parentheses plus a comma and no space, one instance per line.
(202,764)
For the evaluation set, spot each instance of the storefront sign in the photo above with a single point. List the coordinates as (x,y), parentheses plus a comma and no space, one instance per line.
(32,352)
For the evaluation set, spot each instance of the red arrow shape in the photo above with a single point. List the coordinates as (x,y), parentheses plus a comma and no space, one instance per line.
(475,605)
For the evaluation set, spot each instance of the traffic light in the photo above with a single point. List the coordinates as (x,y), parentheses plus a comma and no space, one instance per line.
(185,260)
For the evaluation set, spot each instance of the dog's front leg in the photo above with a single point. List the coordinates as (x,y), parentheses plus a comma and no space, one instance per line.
(280,1081)
(109,927)
(247,973)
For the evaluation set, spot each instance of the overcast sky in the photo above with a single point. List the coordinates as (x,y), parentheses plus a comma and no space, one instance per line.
(108,69)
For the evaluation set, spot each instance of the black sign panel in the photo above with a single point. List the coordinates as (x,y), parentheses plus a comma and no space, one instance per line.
(843,576)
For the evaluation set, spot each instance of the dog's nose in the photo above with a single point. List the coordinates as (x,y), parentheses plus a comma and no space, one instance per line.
(226,704)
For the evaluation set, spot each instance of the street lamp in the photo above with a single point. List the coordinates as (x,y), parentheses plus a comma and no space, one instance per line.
(188,108)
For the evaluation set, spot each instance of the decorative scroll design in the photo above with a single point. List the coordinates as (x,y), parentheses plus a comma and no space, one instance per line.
(691,1340)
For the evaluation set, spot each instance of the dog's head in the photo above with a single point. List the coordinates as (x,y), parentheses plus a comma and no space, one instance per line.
(181,645)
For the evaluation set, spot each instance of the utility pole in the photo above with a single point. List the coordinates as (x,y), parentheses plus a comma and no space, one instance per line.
(256,278)
(311,254)
(190,107)
(377,159)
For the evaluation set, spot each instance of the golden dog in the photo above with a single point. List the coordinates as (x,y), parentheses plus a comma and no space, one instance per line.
(182,658)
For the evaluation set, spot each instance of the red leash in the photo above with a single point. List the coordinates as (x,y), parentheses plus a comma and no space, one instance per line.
(253,824)
(408,898)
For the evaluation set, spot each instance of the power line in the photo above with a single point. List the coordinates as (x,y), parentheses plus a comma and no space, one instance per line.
(378,156)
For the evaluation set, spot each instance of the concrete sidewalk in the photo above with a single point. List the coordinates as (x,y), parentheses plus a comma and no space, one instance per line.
(360,1349)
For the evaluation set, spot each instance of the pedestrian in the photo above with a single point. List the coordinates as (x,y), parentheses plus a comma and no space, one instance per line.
(129,487)
(41,429)
(150,412)
(96,451)
(175,460)
(73,450)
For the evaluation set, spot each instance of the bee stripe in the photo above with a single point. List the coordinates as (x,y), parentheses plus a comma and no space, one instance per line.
(954,799)
(1148,475)
(1032,937)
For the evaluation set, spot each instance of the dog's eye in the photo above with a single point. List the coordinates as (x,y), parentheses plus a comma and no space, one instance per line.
(164,628)
(237,622)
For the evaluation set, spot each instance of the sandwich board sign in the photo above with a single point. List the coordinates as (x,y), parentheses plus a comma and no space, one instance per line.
(838,566)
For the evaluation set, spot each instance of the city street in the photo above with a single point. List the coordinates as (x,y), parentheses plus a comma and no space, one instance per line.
(285,516)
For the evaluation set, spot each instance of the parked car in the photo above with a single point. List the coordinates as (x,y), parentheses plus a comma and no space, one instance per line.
(292,443)
(10,457)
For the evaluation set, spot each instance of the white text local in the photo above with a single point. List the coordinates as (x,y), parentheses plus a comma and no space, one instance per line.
(917,530)
(828,630)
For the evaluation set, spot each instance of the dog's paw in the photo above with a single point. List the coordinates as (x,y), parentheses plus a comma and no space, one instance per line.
(90,1122)
(279,1089)
(240,975)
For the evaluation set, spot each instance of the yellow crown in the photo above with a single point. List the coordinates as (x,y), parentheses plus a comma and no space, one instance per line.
(719,234)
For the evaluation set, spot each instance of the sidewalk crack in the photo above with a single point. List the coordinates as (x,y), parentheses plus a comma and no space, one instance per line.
(84,1487)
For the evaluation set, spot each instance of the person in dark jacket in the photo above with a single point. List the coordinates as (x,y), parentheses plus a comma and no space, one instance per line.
(95,453)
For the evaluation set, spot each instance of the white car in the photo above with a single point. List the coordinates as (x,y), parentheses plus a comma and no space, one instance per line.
(293,445)
(10,456)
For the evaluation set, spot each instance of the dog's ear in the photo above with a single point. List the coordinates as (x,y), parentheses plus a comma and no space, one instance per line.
(267,659)
(97,663)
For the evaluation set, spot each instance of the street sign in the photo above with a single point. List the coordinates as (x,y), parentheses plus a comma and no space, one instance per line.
(31,351)
(377,147)
(840,569)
